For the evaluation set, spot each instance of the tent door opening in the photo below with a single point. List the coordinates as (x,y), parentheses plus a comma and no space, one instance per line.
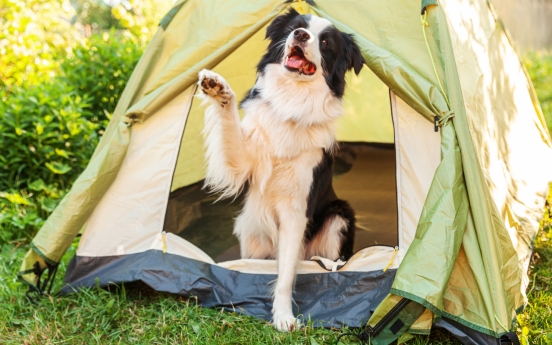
(364,175)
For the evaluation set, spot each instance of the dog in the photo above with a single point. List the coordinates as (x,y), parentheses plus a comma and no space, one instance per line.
(282,150)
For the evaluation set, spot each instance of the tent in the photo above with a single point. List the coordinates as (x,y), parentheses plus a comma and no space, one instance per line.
(444,155)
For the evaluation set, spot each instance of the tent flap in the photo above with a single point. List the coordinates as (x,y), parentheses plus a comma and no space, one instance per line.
(427,266)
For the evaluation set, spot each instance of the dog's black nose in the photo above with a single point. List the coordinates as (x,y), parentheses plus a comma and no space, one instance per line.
(301,35)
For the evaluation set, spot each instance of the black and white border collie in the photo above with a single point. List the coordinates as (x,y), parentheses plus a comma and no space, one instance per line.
(282,150)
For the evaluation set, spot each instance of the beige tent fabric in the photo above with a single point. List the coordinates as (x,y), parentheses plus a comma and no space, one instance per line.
(418,149)
(131,213)
(366,260)
(367,110)
(506,126)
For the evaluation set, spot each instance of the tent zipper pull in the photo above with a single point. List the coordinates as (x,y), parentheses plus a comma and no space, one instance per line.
(392,259)
(435,125)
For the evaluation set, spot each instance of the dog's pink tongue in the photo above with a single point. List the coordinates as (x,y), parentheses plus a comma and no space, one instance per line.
(295,62)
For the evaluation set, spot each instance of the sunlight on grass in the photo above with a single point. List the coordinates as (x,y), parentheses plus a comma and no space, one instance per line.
(539,66)
(535,323)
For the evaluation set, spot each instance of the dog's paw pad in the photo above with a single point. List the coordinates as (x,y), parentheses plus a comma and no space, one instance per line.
(212,87)
(215,86)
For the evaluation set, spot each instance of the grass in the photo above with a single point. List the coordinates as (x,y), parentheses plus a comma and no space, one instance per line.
(539,66)
(135,316)
(142,316)
(535,323)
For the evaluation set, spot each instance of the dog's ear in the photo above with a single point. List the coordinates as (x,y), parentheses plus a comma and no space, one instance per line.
(353,54)
(279,25)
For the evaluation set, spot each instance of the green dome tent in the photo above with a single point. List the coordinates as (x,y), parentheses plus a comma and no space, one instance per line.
(444,155)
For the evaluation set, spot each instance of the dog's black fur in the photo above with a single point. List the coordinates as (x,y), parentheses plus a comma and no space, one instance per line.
(324,204)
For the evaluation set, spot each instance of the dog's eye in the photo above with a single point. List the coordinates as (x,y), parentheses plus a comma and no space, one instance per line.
(325,42)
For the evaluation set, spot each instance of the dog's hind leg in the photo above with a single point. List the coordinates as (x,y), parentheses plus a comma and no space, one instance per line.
(334,238)
(227,163)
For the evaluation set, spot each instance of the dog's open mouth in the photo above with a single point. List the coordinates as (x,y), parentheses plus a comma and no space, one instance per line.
(297,62)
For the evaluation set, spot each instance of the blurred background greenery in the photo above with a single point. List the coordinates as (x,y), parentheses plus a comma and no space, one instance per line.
(63,66)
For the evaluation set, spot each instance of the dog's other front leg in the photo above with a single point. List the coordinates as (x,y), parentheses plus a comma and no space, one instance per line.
(290,249)
(227,163)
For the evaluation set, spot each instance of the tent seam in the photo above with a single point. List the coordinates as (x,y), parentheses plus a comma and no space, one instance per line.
(441,313)
(42,255)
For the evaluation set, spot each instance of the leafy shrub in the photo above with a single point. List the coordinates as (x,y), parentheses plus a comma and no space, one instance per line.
(22,213)
(34,36)
(50,130)
(46,142)
(539,66)
(99,70)
(45,135)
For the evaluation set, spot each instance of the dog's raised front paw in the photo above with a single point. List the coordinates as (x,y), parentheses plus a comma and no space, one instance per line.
(213,85)
(286,322)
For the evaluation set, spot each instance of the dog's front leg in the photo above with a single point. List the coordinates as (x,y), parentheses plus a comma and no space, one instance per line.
(290,249)
(227,163)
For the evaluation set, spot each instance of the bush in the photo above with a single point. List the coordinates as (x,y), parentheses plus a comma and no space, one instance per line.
(99,70)
(539,66)
(46,142)
(51,130)
(34,36)
(45,135)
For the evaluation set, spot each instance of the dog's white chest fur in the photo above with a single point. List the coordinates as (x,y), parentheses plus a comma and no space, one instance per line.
(284,141)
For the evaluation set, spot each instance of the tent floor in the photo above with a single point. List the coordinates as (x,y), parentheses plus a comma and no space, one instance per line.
(364,175)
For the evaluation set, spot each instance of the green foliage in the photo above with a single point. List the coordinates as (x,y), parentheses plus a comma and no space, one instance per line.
(539,66)
(141,17)
(99,69)
(535,323)
(46,142)
(46,134)
(50,127)
(34,36)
